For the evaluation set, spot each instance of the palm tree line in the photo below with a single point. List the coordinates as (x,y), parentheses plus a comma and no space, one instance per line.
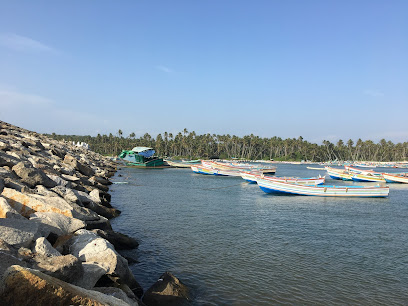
(187,144)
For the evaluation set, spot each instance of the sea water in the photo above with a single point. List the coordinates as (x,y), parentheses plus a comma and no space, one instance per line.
(233,244)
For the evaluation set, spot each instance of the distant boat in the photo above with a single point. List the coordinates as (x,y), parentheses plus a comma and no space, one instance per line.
(365,165)
(315,168)
(214,171)
(271,186)
(253,177)
(339,174)
(141,157)
(183,163)
(396,177)
(239,166)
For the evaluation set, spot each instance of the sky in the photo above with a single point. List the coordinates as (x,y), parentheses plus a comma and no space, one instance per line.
(323,70)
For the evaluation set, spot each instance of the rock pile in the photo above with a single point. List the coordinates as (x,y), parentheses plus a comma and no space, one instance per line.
(56,242)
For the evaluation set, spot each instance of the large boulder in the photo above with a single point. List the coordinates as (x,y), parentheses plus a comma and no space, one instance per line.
(57,223)
(168,290)
(18,232)
(91,275)
(89,247)
(32,176)
(67,268)
(72,161)
(26,287)
(27,204)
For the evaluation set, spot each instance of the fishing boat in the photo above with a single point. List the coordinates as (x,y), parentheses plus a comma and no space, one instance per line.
(315,168)
(141,157)
(239,166)
(339,174)
(252,177)
(273,186)
(368,177)
(396,177)
(214,171)
(182,163)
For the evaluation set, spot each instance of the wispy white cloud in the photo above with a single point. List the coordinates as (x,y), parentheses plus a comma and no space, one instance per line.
(164,69)
(22,43)
(14,98)
(373,93)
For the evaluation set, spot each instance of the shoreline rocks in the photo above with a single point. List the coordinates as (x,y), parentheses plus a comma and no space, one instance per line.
(56,242)
(51,195)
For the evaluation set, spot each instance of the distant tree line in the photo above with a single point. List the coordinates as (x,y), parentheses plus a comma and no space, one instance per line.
(187,144)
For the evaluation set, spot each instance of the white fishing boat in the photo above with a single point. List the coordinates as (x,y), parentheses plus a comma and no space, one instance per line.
(252,177)
(339,174)
(396,177)
(273,186)
(213,171)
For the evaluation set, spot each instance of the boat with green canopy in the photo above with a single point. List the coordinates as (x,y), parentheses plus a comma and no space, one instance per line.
(141,157)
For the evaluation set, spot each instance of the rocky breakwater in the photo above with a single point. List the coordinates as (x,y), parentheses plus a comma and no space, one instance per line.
(56,242)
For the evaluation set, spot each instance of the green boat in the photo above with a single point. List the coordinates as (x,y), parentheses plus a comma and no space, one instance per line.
(141,157)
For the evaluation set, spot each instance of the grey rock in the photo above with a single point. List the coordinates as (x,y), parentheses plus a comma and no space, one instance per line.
(168,290)
(8,160)
(15,184)
(32,176)
(89,247)
(58,180)
(24,286)
(67,268)
(18,233)
(43,247)
(67,193)
(72,161)
(1,184)
(57,223)
(27,204)
(92,273)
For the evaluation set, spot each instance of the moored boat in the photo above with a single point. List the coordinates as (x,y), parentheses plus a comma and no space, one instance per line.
(253,177)
(396,177)
(271,186)
(214,171)
(368,177)
(339,174)
(239,166)
(141,157)
(183,163)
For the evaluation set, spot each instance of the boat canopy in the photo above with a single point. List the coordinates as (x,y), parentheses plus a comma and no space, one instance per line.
(144,151)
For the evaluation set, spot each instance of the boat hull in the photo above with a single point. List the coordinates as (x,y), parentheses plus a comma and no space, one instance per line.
(392,178)
(322,190)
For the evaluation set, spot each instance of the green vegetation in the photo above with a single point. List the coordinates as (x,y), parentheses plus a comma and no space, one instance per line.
(190,145)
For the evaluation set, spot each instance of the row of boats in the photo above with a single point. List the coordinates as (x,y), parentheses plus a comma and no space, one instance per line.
(304,186)
(359,175)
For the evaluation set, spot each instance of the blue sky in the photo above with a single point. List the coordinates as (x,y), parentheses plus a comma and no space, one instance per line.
(317,69)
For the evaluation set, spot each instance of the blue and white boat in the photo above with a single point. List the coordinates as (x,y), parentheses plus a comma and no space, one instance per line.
(271,186)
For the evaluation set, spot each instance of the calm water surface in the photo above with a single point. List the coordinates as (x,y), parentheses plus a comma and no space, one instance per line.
(233,244)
